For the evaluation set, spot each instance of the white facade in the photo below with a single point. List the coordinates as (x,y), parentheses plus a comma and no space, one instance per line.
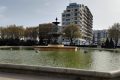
(80,15)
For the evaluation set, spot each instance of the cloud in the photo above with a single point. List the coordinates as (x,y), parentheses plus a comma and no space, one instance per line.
(3,9)
(47,4)
(2,16)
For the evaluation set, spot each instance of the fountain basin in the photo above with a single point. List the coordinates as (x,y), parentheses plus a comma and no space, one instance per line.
(93,65)
(56,48)
(71,74)
(51,45)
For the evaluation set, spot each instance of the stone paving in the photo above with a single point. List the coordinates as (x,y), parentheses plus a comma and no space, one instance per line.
(13,76)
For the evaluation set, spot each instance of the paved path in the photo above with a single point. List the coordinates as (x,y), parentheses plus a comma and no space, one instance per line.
(13,76)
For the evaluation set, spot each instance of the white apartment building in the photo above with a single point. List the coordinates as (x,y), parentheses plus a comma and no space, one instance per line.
(99,36)
(80,15)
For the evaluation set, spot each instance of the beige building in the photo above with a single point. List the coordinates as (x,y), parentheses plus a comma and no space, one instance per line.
(80,15)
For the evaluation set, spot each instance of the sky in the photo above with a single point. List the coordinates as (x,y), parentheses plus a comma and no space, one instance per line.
(35,12)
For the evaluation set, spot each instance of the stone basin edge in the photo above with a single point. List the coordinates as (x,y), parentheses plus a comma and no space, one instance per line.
(59,70)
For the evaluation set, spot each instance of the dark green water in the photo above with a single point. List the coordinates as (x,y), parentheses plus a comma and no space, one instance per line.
(92,60)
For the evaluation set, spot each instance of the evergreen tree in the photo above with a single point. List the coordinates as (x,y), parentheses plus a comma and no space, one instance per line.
(111,43)
(107,43)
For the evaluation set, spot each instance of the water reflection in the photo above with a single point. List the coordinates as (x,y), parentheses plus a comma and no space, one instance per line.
(92,60)
(46,58)
(105,60)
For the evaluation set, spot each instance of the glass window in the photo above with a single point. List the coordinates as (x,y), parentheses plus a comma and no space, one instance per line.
(75,14)
(68,10)
(67,19)
(63,19)
(63,15)
(67,15)
(75,18)
(75,22)
(76,9)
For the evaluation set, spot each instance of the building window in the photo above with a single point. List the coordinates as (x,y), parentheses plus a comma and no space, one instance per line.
(75,22)
(75,18)
(63,15)
(76,9)
(67,15)
(75,14)
(68,10)
(67,19)
(63,19)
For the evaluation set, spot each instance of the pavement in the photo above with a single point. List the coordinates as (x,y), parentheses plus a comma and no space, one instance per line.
(14,76)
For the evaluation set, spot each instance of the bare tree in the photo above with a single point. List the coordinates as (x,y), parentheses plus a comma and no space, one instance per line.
(31,32)
(72,31)
(12,31)
(114,32)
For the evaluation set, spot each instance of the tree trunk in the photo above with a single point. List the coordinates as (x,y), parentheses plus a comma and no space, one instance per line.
(71,41)
(116,42)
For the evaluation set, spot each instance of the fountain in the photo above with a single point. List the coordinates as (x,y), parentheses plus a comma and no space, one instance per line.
(55,34)
(54,44)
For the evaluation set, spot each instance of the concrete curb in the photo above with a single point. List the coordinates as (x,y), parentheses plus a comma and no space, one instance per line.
(57,70)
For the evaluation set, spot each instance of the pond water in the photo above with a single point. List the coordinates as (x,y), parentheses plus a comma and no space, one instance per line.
(89,60)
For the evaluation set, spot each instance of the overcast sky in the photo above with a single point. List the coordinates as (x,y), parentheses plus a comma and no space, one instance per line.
(34,12)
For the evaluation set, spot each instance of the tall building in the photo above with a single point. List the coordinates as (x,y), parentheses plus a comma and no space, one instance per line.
(80,15)
(99,36)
